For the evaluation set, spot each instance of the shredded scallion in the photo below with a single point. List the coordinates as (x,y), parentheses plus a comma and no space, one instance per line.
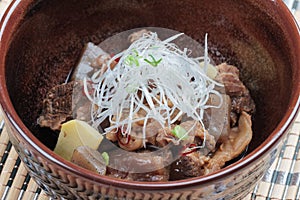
(165,85)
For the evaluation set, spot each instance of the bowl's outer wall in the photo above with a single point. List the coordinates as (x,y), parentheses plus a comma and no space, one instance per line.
(44,40)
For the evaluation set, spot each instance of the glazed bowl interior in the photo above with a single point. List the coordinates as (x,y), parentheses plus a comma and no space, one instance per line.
(252,35)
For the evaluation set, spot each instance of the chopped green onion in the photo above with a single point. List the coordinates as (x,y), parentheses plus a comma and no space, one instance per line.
(133,59)
(154,62)
(179,132)
(105,156)
(136,53)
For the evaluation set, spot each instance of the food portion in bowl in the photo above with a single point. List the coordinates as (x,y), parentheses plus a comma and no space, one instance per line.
(150,112)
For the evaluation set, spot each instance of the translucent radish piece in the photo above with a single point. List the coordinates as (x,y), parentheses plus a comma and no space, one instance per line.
(89,56)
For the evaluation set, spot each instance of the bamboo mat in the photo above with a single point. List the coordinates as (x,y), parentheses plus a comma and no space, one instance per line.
(281,181)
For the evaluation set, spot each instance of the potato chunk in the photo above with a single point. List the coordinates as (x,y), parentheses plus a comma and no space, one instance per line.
(76,133)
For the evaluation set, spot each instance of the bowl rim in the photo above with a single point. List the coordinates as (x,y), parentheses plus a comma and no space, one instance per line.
(15,11)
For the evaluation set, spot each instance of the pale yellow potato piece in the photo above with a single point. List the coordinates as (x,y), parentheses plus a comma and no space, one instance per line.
(76,133)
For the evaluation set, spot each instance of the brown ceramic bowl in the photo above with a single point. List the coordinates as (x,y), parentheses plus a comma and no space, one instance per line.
(41,41)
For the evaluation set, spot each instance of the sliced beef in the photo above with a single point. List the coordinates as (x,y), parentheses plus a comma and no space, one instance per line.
(197,164)
(134,141)
(198,136)
(62,103)
(101,62)
(236,143)
(234,87)
(137,35)
(152,130)
(230,79)
(187,166)
(164,137)
(131,142)
(57,106)
(243,103)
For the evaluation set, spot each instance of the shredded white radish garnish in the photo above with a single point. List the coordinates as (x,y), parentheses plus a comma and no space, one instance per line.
(153,77)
